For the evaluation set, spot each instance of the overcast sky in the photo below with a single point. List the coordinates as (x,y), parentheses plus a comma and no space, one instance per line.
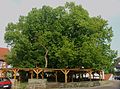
(108,9)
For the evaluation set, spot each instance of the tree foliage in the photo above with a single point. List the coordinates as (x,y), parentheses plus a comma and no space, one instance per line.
(65,36)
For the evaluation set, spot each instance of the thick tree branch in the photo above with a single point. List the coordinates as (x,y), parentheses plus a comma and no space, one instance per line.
(46,53)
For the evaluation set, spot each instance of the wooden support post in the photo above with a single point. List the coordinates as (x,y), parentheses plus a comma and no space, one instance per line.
(65,71)
(72,77)
(42,74)
(37,71)
(85,75)
(65,78)
(37,76)
(56,76)
(15,71)
(79,77)
(100,75)
(75,76)
(19,78)
(31,74)
(93,75)
(90,72)
(2,73)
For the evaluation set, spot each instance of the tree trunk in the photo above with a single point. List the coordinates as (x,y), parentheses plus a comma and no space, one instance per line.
(46,60)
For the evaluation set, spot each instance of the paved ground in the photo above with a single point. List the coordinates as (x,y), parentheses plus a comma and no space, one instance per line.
(112,85)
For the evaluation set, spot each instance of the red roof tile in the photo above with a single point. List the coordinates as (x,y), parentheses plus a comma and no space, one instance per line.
(3,53)
(107,76)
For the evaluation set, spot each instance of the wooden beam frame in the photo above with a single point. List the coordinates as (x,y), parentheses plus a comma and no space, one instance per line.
(15,71)
(65,71)
(42,70)
(37,71)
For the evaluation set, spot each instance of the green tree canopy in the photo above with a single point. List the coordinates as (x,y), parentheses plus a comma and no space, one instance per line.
(65,36)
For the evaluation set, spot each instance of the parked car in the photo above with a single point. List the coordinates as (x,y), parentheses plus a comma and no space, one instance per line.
(5,83)
(117,77)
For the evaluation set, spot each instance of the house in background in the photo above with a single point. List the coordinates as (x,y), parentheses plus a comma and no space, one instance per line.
(3,54)
(3,64)
(117,68)
(108,77)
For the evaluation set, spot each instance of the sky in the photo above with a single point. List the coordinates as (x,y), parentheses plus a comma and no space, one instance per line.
(10,10)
